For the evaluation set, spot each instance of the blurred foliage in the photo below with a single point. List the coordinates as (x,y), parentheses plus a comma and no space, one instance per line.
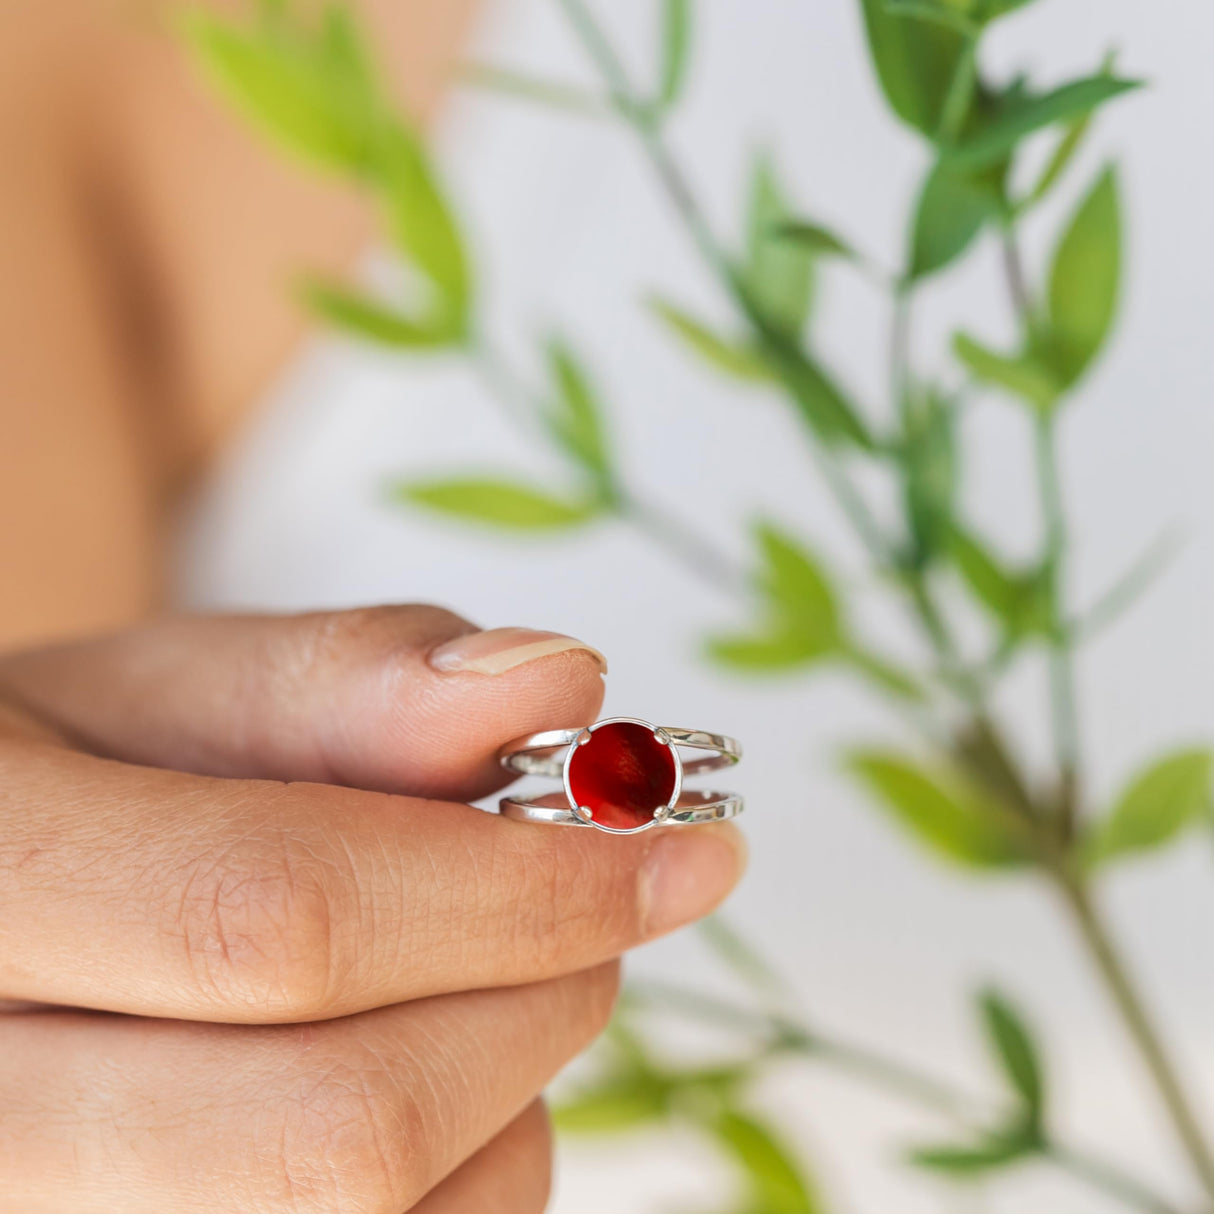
(957,785)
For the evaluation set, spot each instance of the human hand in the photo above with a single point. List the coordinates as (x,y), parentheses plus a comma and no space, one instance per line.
(339,988)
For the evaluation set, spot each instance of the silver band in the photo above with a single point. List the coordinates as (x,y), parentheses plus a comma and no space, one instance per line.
(538,754)
(692,807)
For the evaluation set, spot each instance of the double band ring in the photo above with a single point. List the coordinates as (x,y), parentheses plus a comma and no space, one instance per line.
(620,775)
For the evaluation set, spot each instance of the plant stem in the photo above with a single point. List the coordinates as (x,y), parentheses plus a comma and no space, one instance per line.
(1106,1177)
(689,548)
(848,497)
(1073,886)
(1022,304)
(667,532)
(1140,1026)
(856,508)
(904,1081)
(1062,676)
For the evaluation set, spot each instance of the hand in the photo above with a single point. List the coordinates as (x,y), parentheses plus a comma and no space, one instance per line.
(338,995)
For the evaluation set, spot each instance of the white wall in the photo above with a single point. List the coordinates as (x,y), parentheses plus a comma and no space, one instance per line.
(882,942)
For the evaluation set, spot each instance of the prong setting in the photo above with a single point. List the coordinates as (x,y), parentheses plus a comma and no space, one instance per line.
(669,778)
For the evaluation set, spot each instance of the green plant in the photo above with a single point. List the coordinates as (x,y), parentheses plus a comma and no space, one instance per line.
(304,76)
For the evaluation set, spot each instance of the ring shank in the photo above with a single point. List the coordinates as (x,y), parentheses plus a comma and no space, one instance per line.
(692,807)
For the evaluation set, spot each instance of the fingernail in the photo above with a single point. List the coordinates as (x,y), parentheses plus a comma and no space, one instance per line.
(688,873)
(502,649)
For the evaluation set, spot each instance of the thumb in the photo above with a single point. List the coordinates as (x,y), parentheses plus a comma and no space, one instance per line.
(402,699)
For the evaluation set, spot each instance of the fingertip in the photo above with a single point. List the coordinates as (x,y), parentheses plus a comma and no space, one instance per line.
(688,873)
(456,723)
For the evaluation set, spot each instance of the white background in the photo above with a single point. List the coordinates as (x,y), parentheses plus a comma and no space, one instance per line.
(571,231)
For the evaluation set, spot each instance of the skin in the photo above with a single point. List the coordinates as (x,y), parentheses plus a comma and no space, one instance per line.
(256,951)
(259,953)
(147,241)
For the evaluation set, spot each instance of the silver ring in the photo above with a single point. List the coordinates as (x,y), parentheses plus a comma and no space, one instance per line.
(621,775)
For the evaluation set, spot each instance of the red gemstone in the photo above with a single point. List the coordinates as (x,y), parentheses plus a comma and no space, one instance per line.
(623,775)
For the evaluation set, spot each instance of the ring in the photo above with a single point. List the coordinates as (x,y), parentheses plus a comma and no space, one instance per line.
(621,775)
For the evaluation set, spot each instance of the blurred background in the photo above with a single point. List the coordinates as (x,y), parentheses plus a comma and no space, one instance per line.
(879,940)
(572,228)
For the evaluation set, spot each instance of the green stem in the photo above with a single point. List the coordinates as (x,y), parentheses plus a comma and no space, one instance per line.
(1107,1178)
(1062,674)
(669,533)
(1063,700)
(680,541)
(1141,1027)
(1022,303)
(1093,931)
(904,1081)
(848,497)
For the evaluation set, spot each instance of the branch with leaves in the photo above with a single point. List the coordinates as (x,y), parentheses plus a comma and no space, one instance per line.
(302,74)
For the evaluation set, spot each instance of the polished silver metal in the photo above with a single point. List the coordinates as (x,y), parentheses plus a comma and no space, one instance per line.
(536,754)
(539,754)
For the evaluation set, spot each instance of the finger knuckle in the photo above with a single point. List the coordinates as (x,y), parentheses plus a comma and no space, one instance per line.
(256,923)
(350,1139)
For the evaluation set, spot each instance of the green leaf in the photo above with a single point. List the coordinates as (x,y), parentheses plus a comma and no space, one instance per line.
(927,456)
(739,955)
(952,209)
(765,653)
(778,273)
(816,239)
(621,1103)
(676,46)
(1159,803)
(501,503)
(915,61)
(1023,375)
(1018,599)
(1127,589)
(886,675)
(820,401)
(342,44)
(289,84)
(1060,159)
(421,223)
(775,1183)
(985,575)
(733,356)
(796,586)
(941,811)
(552,93)
(1084,279)
(361,316)
(1000,8)
(803,622)
(575,420)
(310,85)
(988,1155)
(1014,1047)
(995,140)
(950,16)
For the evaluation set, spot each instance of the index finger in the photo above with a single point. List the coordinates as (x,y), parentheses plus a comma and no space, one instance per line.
(409,699)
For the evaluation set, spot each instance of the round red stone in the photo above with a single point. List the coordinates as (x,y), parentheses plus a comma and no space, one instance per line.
(623,775)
